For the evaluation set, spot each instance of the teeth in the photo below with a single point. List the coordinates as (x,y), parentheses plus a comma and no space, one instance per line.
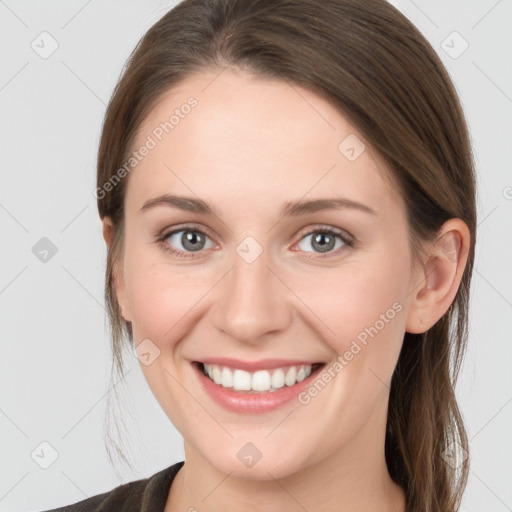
(278,378)
(291,377)
(217,377)
(241,380)
(259,381)
(227,377)
(301,375)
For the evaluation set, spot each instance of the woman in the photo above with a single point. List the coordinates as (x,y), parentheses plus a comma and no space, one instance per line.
(317,157)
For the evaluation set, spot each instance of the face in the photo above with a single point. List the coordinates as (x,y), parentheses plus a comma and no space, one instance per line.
(260,292)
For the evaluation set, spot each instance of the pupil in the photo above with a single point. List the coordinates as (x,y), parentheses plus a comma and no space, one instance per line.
(190,240)
(324,246)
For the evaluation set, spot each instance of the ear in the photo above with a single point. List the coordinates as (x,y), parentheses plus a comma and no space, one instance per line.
(437,283)
(117,271)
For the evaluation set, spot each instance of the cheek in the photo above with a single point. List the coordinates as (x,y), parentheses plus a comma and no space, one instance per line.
(154,291)
(163,303)
(160,297)
(361,307)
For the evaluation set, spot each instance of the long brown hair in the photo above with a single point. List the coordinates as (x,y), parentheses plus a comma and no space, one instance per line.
(375,66)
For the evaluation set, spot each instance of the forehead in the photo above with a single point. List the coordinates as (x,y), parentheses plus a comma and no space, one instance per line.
(254,139)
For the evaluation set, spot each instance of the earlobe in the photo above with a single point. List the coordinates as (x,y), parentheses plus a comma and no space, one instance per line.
(440,277)
(118,277)
(108,231)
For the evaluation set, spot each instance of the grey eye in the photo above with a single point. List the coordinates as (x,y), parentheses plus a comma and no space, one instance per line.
(322,241)
(191,240)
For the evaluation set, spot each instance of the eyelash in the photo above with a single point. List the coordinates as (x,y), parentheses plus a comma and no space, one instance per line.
(162,240)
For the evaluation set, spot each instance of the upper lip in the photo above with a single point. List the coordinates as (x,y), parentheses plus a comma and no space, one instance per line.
(251,366)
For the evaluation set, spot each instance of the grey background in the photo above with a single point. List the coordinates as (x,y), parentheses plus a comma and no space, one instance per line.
(55,361)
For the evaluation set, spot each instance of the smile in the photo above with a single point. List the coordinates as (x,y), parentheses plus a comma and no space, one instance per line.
(259,381)
(254,388)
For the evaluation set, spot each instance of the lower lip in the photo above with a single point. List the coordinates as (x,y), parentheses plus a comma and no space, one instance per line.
(238,401)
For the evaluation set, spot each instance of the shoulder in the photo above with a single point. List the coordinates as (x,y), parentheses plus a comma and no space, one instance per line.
(144,495)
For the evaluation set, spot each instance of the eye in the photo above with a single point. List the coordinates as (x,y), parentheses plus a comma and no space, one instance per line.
(188,240)
(323,240)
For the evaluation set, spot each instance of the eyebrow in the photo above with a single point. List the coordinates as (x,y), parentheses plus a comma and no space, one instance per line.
(290,209)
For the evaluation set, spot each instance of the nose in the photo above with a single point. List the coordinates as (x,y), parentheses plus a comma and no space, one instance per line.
(252,301)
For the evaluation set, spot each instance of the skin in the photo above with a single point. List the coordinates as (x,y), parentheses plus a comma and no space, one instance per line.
(251,145)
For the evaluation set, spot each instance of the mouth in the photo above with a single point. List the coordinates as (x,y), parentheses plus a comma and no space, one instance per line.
(261,381)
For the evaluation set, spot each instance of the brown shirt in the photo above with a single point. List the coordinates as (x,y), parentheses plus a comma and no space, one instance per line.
(146,495)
